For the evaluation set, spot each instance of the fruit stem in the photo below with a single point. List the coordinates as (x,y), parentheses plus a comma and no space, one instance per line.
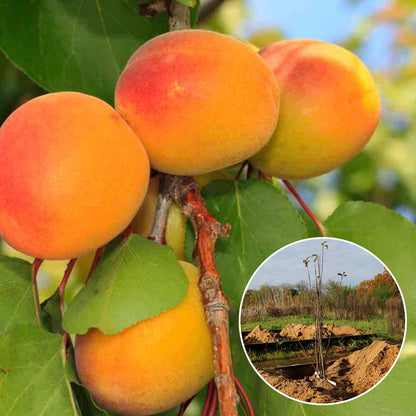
(35,268)
(184,406)
(94,264)
(208,400)
(207,230)
(164,202)
(243,394)
(62,286)
(240,171)
(305,207)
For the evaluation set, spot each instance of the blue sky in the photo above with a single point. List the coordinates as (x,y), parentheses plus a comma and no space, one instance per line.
(328,20)
(286,266)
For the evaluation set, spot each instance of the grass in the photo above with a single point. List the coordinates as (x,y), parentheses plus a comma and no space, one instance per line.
(300,354)
(377,325)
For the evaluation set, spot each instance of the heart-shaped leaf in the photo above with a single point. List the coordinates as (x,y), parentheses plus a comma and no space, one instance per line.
(135,280)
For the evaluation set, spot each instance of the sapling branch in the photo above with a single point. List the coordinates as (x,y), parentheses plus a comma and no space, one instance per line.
(35,268)
(207,230)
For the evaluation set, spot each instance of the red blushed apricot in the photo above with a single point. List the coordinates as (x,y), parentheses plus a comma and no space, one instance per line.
(72,175)
(329,108)
(198,100)
(155,364)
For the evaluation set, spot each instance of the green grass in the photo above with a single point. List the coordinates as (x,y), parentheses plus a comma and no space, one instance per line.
(377,325)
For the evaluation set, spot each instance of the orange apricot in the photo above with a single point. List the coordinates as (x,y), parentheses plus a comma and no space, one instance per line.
(155,364)
(72,175)
(329,108)
(198,100)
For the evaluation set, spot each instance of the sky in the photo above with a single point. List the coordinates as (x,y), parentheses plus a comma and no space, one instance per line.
(327,20)
(286,266)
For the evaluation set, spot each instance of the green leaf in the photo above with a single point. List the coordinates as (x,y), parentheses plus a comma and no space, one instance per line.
(51,313)
(77,45)
(135,280)
(17,304)
(262,220)
(35,382)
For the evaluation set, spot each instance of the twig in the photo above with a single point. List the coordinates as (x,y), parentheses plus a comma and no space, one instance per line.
(207,230)
(305,207)
(35,268)
(164,202)
(179,16)
(153,8)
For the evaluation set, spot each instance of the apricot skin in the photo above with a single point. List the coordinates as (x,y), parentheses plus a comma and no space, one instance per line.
(329,108)
(72,175)
(153,365)
(198,100)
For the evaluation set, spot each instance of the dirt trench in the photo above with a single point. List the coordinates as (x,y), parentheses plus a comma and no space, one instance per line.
(353,375)
(301,331)
(260,335)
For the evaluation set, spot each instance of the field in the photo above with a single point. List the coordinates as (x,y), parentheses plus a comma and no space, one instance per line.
(378,324)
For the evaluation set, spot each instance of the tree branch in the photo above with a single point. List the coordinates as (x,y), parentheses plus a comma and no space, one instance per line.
(179,16)
(164,202)
(207,230)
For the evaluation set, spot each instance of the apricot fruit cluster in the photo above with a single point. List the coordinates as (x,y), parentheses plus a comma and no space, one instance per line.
(74,173)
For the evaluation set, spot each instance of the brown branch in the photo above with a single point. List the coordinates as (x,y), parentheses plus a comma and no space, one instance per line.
(207,230)
(153,8)
(179,16)
(164,202)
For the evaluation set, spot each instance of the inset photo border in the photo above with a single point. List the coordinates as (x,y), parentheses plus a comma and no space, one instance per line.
(322,321)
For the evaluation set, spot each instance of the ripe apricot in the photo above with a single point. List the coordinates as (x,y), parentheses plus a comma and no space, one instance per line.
(329,108)
(72,175)
(198,100)
(153,365)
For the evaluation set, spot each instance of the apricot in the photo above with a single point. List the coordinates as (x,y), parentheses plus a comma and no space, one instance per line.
(329,108)
(72,175)
(153,365)
(198,100)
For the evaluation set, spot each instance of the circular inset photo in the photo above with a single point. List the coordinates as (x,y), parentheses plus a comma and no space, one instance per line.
(322,320)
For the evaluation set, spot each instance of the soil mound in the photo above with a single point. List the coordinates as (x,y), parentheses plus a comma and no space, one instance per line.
(353,375)
(301,331)
(260,335)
